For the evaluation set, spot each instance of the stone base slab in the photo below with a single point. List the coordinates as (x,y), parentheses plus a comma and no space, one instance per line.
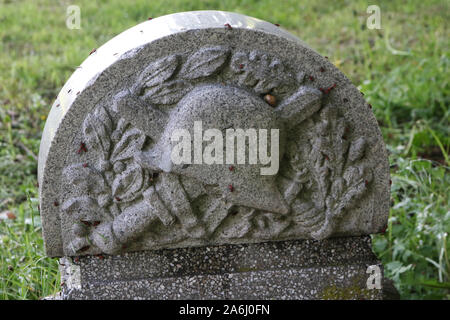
(303,269)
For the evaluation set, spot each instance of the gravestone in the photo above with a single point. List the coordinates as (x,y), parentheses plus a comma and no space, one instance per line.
(290,219)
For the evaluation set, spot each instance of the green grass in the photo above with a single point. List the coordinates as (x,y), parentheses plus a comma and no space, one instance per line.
(409,94)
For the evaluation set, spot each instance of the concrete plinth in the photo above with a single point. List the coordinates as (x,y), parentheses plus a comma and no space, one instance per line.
(305,269)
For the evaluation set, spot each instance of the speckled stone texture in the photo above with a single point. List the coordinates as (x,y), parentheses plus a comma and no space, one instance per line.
(107,184)
(110,192)
(301,269)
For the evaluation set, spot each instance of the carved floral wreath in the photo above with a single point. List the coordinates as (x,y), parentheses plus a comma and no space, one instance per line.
(329,168)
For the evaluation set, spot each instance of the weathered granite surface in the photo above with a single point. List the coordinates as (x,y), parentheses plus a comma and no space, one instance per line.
(108,186)
(302,269)
(133,223)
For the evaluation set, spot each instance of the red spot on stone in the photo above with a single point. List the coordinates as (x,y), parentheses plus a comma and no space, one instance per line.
(150,18)
(230,187)
(95,223)
(85,248)
(92,51)
(311,78)
(366,182)
(117,198)
(277,24)
(86,223)
(231,168)
(56,203)
(327,90)
(241,66)
(82,148)
(228,26)
(85,165)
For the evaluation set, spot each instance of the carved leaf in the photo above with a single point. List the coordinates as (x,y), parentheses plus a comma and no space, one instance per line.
(204,63)
(121,125)
(237,226)
(158,71)
(357,179)
(351,175)
(337,187)
(237,230)
(128,185)
(168,92)
(340,127)
(356,150)
(238,62)
(130,142)
(301,105)
(302,213)
(97,129)
(349,199)
(83,208)
(85,178)
(269,225)
(263,72)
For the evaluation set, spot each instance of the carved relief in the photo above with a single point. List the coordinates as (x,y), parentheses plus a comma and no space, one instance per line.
(127,195)
(330,172)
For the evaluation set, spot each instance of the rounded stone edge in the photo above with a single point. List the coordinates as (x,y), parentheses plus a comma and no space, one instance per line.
(114,49)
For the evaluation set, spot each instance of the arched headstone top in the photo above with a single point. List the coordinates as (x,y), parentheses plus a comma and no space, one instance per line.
(108,179)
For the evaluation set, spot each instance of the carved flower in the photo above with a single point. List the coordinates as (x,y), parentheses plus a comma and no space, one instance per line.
(260,71)
(130,184)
